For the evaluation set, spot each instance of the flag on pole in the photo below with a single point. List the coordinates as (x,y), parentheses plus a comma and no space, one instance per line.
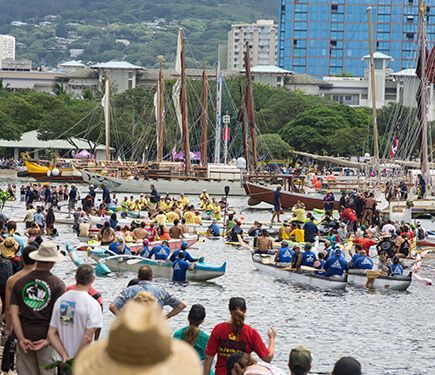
(394,147)
(226,134)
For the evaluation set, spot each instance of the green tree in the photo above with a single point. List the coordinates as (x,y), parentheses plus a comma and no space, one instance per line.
(272,146)
(322,130)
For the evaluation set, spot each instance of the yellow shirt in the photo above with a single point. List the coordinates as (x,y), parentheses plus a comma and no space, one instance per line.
(160,219)
(204,196)
(133,206)
(184,201)
(299,235)
(300,214)
(284,234)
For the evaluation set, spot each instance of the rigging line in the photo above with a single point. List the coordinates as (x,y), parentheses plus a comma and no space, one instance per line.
(76,124)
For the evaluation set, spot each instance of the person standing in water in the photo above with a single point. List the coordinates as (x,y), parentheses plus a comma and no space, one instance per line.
(277,205)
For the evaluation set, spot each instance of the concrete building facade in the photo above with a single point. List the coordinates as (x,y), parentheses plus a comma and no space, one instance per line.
(262,39)
(7,48)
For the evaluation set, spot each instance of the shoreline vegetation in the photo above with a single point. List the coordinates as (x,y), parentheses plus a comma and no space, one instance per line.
(286,120)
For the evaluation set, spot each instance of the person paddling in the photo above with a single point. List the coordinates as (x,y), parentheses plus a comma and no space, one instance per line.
(187,255)
(395,269)
(284,255)
(336,265)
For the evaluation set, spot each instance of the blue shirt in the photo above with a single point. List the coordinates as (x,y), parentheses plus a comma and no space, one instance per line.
(160,252)
(277,197)
(187,256)
(363,263)
(285,255)
(113,223)
(39,219)
(310,230)
(47,195)
(235,232)
(106,196)
(145,253)
(320,265)
(335,265)
(114,246)
(308,258)
(180,268)
(328,252)
(73,194)
(396,269)
(162,296)
(354,259)
(215,230)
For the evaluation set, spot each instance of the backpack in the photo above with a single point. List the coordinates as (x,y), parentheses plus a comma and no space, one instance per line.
(6,271)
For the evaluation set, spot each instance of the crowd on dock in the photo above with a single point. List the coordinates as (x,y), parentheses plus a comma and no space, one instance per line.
(50,323)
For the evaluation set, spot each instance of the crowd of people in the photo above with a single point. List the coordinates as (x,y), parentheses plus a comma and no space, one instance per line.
(54,327)
(51,323)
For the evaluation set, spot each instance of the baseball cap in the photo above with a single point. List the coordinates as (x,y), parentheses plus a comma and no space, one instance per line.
(347,366)
(300,359)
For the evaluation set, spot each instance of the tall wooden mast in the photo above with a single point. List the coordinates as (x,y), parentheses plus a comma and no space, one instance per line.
(249,104)
(160,112)
(373,90)
(183,106)
(204,118)
(422,93)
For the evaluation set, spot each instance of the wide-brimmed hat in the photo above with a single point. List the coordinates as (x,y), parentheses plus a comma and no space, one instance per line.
(9,247)
(47,252)
(139,343)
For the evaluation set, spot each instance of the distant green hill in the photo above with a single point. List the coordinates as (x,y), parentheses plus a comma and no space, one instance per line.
(125,29)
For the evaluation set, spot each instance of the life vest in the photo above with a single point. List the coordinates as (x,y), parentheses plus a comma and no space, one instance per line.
(189,216)
(171,216)
(197,219)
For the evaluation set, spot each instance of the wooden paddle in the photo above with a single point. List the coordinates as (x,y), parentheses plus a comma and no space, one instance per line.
(243,243)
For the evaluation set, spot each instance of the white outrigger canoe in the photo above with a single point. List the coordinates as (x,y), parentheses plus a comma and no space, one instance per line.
(399,283)
(267,266)
(161,269)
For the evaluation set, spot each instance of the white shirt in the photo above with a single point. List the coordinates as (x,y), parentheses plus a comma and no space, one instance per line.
(73,313)
(29,215)
(387,228)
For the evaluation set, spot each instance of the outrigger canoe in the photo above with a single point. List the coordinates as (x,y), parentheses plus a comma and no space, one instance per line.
(267,266)
(161,269)
(138,246)
(377,281)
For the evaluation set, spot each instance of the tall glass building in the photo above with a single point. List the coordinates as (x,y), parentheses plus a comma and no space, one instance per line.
(328,37)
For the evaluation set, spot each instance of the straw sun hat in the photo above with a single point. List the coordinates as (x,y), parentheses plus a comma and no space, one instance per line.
(9,247)
(47,252)
(139,343)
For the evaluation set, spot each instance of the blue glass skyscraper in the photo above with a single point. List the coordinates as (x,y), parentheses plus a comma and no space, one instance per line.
(328,37)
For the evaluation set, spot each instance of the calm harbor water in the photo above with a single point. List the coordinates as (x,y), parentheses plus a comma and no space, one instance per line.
(388,332)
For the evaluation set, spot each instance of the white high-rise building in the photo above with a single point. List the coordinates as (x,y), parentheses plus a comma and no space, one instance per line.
(263,41)
(7,48)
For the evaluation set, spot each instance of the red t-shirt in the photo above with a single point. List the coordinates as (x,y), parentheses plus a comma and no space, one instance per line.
(151,234)
(349,214)
(224,343)
(365,242)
